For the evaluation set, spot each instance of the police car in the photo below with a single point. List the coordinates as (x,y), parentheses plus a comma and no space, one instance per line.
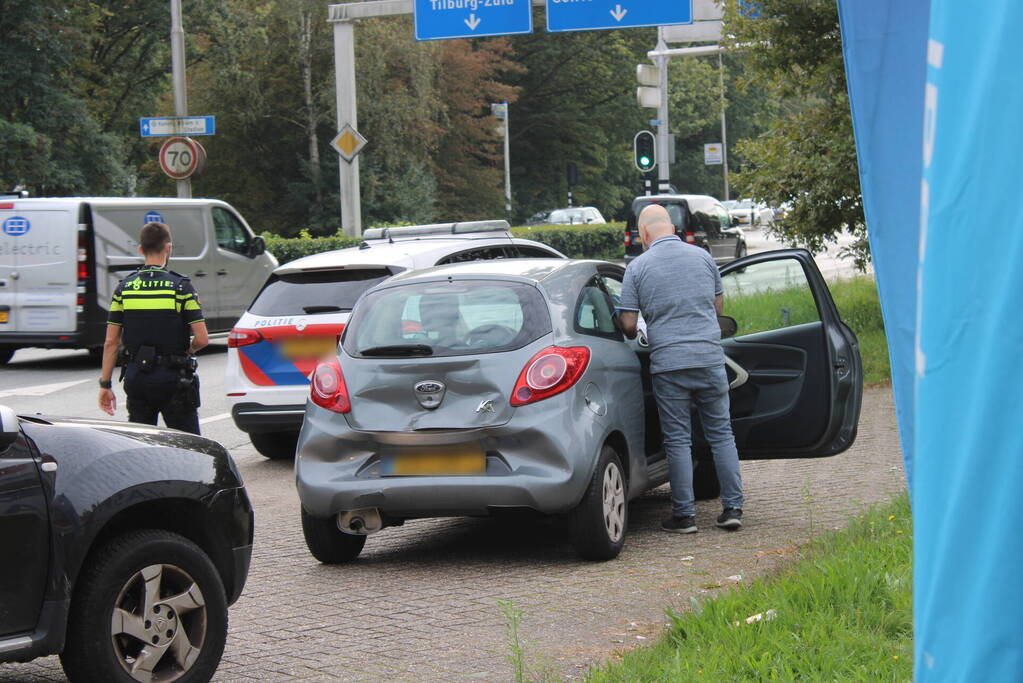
(298,316)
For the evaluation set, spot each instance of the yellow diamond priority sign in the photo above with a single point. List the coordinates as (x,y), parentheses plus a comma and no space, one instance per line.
(348,143)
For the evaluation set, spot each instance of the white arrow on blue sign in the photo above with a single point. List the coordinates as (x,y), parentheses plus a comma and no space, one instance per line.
(442,19)
(165,126)
(572,15)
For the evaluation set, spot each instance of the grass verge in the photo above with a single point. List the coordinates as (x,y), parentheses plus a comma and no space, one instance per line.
(843,612)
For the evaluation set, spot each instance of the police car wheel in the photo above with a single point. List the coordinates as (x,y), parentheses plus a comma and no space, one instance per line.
(6,352)
(276,445)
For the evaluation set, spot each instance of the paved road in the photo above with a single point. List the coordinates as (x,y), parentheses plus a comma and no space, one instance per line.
(421,604)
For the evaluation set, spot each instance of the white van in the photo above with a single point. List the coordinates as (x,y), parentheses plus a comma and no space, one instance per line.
(60,260)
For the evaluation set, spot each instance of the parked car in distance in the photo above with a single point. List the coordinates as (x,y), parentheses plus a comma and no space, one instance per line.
(298,316)
(124,546)
(62,258)
(749,213)
(698,219)
(579,215)
(483,388)
(781,212)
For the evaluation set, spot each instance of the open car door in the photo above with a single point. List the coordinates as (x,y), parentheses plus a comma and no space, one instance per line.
(794,366)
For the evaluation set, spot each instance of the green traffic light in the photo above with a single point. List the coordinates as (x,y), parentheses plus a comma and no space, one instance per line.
(644,161)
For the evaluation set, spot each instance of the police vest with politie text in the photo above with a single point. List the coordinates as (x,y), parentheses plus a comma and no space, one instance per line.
(155,308)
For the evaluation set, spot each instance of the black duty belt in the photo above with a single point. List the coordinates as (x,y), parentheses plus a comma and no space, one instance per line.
(175,361)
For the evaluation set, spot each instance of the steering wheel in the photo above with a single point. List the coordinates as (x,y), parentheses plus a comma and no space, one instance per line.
(490,335)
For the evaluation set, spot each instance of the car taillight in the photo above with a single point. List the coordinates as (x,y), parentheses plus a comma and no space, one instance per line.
(690,238)
(550,372)
(328,389)
(241,337)
(83,257)
(628,237)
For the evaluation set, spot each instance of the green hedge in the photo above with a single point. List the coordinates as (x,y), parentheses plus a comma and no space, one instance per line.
(579,241)
(574,241)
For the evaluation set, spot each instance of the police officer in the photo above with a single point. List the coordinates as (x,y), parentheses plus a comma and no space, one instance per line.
(157,312)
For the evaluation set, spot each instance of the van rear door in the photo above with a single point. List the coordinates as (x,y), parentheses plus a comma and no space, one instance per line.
(38,277)
(117,232)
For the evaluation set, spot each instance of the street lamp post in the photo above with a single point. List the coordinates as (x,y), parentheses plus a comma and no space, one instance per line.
(500,112)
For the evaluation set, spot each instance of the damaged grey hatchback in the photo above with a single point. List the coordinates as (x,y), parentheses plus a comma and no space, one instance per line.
(463,389)
(475,388)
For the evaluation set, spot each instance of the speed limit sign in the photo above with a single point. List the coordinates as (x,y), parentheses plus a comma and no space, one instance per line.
(180,157)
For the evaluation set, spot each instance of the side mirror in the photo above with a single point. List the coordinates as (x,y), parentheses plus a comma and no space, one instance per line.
(735,221)
(257,246)
(9,428)
(728,326)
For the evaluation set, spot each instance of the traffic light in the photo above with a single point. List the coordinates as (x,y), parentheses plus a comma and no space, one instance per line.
(645,146)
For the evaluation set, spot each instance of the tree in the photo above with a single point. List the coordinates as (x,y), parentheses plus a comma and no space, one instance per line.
(50,141)
(807,156)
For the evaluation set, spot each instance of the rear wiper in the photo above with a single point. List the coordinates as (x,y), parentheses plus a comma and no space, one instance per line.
(324,309)
(399,350)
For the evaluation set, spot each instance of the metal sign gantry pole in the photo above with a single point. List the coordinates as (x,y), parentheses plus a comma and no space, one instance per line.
(178,77)
(343,18)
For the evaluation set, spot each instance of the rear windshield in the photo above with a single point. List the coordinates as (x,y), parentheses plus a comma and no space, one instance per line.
(453,318)
(328,291)
(676,211)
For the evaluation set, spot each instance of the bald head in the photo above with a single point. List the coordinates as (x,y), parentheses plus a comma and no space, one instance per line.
(654,223)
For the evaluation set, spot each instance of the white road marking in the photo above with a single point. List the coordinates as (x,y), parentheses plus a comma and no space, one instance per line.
(41,389)
(214,418)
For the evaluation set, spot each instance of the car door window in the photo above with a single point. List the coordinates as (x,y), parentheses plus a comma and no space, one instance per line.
(769,296)
(593,314)
(534,252)
(231,234)
(480,254)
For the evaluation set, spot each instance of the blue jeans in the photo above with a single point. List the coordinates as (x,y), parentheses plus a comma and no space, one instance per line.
(676,392)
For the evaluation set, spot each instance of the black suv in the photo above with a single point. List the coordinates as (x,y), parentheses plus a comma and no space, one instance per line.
(123,546)
(698,218)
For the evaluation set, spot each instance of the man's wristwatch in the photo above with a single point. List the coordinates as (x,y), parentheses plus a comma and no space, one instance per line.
(106,384)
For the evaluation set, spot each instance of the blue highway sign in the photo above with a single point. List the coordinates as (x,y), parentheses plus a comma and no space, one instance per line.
(166,126)
(590,15)
(442,19)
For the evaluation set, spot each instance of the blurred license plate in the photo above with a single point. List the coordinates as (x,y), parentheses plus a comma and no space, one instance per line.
(444,460)
(309,347)
(3,316)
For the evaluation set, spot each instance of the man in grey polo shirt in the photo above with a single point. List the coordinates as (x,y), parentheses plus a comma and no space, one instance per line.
(677,288)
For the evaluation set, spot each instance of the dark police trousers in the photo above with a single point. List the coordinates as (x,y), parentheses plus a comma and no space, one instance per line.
(159,393)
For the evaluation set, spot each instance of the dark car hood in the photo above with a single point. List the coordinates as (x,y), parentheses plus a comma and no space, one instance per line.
(138,452)
(147,434)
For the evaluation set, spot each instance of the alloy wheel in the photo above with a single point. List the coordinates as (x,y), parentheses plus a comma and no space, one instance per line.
(614,502)
(158,624)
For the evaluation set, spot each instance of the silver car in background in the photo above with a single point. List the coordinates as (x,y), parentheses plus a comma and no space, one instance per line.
(481,387)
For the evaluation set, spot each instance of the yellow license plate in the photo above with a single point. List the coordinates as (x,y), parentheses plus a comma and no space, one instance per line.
(3,316)
(439,461)
(311,347)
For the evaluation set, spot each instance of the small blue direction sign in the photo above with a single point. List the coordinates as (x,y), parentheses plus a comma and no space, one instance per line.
(166,126)
(590,15)
(441,19)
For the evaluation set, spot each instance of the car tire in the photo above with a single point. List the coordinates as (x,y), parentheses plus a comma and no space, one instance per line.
(6,353)
(741,251)
(116,580)
(276,445)
(705,480)
(598,524)
(327,543)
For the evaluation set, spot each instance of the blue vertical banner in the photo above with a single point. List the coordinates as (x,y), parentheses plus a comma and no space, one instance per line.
(885,45)
(968,473)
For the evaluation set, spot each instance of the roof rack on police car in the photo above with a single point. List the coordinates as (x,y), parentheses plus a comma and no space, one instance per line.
(414,231)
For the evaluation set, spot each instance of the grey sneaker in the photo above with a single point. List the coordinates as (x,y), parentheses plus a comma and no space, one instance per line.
(730,519)
(680,525)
